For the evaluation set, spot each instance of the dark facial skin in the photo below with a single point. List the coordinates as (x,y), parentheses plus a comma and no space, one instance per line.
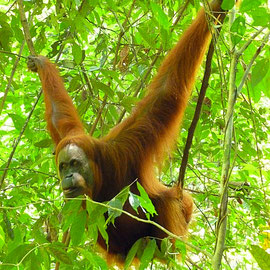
(74,171)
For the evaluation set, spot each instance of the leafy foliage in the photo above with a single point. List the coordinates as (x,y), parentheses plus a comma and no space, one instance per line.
(261,256)
(108,51)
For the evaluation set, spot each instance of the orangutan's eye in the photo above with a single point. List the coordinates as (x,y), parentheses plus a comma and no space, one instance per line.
(62,166)
(74,163)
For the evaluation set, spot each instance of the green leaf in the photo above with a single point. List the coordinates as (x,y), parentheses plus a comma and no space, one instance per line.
(16,29)
(101,224)
(132,252)
(148,254)
(2,238)
(238,29)
(247,5)
(58,250)
(261,257)
(18,121)
(71,206)
(78,227)
(8,226)
(5,35)
(145,33)
(145,201)
(18,253)
(118,202)
(70,211)
(129,102)
(3,18)
(95,211)
(227,4)
(181,247)
(260,16)
(103,87)
(115,203)
(75,83)
(134,201)
(259,71)
(97,219)
(99,262)
(45,143)
(44,257)
(160,15)
(77,53)
(94,259)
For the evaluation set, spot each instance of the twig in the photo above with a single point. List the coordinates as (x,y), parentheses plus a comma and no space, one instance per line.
(196,115)
(11,77)
(222,219)
(11,53)
(180,13)
(206,219)
(9,9)
(18,140)
(244,78)
(93,127)
(123,28)
(86,79)
(31,170)
(197,112)
(244,47)
(26,29)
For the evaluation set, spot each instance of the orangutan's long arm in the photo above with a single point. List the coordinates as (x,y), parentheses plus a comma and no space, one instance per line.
(61,115)
(155,121)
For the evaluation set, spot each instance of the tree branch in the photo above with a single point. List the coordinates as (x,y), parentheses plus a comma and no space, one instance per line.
(26,29)
(226,167)
(11,77)
(197,112)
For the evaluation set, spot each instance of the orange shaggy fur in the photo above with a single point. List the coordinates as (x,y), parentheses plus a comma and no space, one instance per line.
(128,152)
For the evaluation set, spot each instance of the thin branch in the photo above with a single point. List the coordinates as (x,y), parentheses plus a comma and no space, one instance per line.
(10,8)
(30,170)
(93,127)
(11,53)
(180,13)
(18,140)
(222,219)
(196,115)
(15,65)
(205,217)
(142,82)
(197,112)
(86,79)
(249,66)
(26,29)
(244,47)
